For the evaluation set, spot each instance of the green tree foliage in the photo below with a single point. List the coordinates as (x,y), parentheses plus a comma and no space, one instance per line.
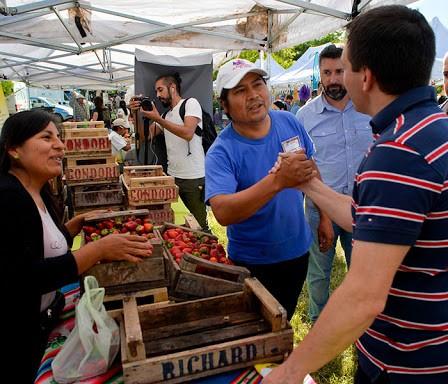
(8,87)
(286,57)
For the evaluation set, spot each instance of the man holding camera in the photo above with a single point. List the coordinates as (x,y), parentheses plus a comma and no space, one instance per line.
(184,149)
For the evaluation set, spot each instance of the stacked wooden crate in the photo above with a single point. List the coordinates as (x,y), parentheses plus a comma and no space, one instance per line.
(91,173)
(146,186)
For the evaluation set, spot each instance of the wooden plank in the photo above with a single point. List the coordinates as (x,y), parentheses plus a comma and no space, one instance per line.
(159,294)
(186,284)
(118,313)
(190,284)
(97,195)
(82,124)
(158,214)
(196,264)
(87,145)
(151,194)
(73,133)
(143,182)
(122,214)
(270,308)
(115,301)
(205,324)
(136,286)
(193,310)
(124,272)
(78,161)
(141,171)
(205,338)
(172,269)
(183,366)
(113,208)
(192,223)
(134,338)
(92,173)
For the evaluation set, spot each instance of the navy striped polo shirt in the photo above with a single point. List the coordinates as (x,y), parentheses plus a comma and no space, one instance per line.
(401,197)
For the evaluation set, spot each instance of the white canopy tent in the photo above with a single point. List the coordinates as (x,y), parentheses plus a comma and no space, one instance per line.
(441,32)
(302,70)
(92,43)
(273,68)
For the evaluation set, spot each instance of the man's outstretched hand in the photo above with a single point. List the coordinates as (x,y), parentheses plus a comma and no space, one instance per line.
(292,169)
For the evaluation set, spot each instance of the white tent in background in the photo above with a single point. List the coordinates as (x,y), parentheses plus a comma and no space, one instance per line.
(441,32)
(92,43)
(302,70)
(275,68)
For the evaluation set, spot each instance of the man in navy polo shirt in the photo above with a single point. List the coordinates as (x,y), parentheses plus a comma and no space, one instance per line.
(341,136)
(394,299)
(263,212)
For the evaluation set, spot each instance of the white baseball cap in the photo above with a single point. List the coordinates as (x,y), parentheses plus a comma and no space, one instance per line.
(231,73)
(120,123)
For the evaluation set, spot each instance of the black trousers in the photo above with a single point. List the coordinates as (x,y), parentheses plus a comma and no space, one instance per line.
(283,280)
(192,192)
(362,378)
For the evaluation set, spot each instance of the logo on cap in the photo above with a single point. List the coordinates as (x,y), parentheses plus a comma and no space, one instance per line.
(239,64)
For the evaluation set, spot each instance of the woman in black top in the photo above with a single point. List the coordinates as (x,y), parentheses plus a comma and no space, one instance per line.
(31,154)
(101,113)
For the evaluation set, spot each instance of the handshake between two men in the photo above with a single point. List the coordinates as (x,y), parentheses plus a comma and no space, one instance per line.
(294,169)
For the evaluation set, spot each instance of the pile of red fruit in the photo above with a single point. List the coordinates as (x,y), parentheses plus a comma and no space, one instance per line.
(180,241)
(130,225)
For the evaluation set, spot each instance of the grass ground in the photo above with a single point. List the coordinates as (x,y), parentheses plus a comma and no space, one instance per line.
(341,369)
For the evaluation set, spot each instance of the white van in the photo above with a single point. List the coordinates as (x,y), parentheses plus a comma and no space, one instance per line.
(18,101)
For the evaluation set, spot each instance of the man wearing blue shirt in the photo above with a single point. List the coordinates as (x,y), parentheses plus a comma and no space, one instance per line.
(341,136)
(263,212)
(393,301)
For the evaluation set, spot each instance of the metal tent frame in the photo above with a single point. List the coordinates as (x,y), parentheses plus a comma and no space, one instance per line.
(66,43)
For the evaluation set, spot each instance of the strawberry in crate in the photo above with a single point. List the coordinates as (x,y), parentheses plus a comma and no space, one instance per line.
(180,241)
(132,225)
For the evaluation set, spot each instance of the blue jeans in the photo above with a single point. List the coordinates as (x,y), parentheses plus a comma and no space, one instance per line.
(320,264)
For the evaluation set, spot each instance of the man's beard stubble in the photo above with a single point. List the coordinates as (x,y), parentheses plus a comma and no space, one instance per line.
(167,101)
(335,91)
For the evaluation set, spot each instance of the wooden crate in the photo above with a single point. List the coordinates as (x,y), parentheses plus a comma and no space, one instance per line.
(159,214)
(137,171)
(176,343)
(82,124)
(122,276)
(86,141)
(144,191)
(198,278)
(95,195)
(93,169)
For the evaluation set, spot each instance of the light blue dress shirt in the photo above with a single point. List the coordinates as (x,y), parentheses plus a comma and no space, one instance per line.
(341,139)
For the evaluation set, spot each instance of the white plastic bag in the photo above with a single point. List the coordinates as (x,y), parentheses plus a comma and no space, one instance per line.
(93,343)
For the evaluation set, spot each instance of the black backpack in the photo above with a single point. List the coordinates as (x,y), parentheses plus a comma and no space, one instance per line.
(208,131)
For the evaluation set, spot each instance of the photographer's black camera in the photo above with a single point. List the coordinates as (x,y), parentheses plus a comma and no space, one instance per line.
(145,103)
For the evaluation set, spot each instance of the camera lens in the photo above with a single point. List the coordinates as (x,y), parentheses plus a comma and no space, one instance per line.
(146,104)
